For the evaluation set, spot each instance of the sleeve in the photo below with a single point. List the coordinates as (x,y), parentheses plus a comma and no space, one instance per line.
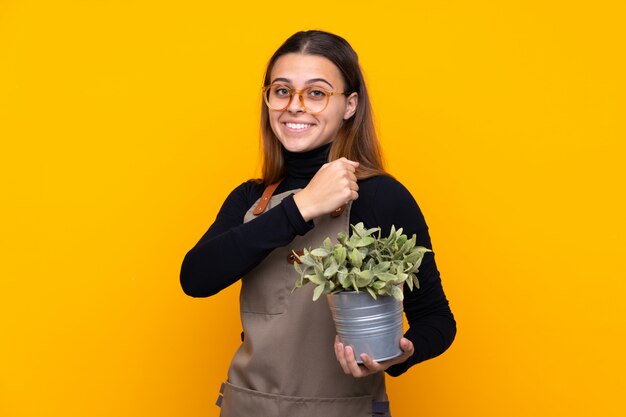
(432,327)
(230,248)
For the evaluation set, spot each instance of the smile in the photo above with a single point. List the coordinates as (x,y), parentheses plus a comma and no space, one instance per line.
(298,126)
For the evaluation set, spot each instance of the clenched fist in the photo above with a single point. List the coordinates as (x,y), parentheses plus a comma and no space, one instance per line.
(332,186)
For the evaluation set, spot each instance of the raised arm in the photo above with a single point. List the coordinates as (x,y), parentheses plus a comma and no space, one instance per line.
(231,248)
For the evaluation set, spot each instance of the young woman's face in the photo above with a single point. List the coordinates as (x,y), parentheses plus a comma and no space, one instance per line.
(297,130)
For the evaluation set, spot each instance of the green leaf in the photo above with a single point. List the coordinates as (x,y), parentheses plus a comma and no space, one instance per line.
(326,262)
(365,241)
(422,249)
(413,257)
(315,279)
(372,293)
(373,230)
(307,260)
(321,252)
(328,245)
(356,258)
(332,269)
(319,290)
(381,267)
(345,281)
(377,285)
(358,229)
(340,254)
(397,293)
(363,278)
(370,264)
(415,281)
(408,245)
(401,276)
(385,276)
(365,274)
(417,264)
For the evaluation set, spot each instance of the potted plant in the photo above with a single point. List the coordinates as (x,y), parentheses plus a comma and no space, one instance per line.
(362,275)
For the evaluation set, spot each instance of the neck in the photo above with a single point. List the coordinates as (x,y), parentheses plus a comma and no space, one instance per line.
(304,165)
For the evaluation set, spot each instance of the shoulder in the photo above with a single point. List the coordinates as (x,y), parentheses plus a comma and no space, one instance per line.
(241,198)
(248,190)
(384,201)
(385,190)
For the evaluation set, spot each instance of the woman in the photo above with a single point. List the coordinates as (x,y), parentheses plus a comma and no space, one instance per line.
(322,171)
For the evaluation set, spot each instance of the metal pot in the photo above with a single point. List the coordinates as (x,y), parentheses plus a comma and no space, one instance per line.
(369,326)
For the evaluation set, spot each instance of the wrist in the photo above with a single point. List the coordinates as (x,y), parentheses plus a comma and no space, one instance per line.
(303,206)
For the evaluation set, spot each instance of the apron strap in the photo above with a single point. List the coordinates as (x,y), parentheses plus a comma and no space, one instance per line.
(267,195)
(220,396)
(338,212)
(265,198)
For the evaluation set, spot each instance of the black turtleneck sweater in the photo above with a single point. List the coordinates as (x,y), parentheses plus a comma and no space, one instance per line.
(382,201)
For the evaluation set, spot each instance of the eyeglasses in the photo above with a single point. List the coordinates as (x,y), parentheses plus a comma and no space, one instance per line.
(312,99)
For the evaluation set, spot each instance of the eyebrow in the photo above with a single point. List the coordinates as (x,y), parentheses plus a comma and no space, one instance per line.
(308,82)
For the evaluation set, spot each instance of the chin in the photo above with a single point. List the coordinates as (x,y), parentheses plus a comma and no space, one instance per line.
(297,146)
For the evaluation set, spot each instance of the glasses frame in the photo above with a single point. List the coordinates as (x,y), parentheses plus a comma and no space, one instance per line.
(293,91)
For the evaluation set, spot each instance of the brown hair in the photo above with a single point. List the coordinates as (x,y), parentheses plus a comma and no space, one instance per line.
(356,139)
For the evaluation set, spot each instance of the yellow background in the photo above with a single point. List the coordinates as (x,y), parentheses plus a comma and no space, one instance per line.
(124,125)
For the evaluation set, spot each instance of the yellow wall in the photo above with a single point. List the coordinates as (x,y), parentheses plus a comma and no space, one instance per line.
(124,124)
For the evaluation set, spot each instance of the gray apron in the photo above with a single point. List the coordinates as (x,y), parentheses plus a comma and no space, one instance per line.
(286,365)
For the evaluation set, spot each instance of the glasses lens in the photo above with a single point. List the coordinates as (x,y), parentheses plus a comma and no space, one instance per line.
(315,99)
(277,97)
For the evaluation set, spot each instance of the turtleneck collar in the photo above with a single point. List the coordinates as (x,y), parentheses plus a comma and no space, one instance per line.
(304,165)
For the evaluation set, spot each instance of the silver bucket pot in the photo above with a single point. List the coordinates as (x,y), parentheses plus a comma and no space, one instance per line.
(370,326)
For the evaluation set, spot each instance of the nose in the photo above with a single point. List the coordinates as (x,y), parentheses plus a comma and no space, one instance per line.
(295,106)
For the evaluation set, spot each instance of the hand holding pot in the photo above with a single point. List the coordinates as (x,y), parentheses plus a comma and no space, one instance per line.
(332,186)
(345,356)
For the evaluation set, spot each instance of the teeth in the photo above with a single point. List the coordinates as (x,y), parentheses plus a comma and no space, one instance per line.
(297,125)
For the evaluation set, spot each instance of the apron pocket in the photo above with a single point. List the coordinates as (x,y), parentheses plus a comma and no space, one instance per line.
(242,402)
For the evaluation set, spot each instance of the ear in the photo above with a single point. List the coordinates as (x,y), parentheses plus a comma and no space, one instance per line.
(352,103)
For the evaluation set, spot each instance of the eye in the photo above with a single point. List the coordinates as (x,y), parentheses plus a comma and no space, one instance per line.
(280,91)
(316,93)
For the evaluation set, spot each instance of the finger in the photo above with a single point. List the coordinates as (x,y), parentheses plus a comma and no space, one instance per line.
(350,185)
(339,353)
(354,368)
(370,363)
(348,164)
(352,166)
(407,346)
(407,351)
